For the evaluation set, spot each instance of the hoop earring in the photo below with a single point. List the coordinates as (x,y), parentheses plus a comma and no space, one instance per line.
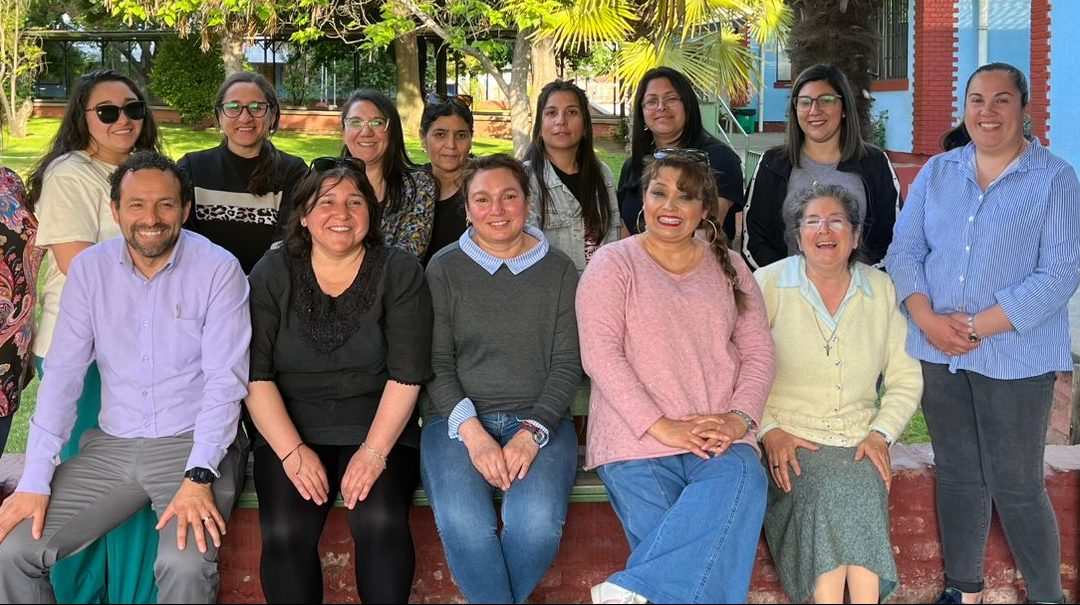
(640,222)
(715,232)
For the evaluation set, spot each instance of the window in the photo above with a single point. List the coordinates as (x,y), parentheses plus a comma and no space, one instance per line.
(783,64)
(892,59)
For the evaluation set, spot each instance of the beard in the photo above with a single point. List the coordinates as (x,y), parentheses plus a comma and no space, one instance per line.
(154,250)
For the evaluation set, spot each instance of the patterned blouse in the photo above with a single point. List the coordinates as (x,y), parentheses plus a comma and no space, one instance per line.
(18,284)
(410,227)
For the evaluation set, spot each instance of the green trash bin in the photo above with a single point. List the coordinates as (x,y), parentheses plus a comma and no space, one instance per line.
(747,118)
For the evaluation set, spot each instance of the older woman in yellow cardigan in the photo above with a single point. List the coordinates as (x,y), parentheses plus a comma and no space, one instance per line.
(837,330)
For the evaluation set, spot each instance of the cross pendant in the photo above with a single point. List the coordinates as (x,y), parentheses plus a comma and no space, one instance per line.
(828,349)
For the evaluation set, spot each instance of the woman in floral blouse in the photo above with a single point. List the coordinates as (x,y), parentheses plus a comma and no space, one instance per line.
(371,131)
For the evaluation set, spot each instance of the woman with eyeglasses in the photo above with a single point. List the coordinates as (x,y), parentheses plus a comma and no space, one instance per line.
(573,192)
(243,187)
(506,363)
(341,342)
(837,329)
(667,116)
(985,261)
(372,134)
(675,339)
(106,119)
(822,143)
(446,131)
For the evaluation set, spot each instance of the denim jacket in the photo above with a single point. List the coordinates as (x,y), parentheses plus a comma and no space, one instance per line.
(564,227)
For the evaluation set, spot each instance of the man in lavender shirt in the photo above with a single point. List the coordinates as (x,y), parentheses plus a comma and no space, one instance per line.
(164,313)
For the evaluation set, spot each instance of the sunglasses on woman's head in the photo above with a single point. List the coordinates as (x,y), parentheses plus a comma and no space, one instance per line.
(678,152)
(109,113)
(437,98)
(330,163)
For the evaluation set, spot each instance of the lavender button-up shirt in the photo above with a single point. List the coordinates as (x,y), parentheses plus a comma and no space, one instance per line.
(172,351)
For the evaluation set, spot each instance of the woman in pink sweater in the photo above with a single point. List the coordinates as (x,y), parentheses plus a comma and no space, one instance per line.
(674,336)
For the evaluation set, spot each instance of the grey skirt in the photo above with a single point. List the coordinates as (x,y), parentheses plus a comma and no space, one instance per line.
(837,513)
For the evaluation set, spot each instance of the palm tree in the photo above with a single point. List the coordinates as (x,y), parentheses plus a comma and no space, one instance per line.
(841,32)
(701,38)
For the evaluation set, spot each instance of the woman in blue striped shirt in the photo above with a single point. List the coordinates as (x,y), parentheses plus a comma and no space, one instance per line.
(985,258)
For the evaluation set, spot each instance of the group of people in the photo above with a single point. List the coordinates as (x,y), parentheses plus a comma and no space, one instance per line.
(176,333)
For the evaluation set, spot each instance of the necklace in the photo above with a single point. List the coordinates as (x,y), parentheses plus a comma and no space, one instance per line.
(831,340)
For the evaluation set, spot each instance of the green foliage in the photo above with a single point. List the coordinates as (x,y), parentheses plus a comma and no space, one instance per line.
(878,126)
(186,78)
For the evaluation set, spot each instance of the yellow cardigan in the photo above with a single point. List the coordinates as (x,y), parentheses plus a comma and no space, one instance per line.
(831,399)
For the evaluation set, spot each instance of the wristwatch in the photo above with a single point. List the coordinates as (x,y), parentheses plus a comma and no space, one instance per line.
(888,439)
(199,475)
(538,436)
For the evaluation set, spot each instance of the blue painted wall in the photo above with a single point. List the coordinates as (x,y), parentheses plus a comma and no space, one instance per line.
(1008,38)
(1064,83)
(775,98)
(900,104)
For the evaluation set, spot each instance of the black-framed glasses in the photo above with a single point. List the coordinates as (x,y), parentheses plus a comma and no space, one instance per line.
(330,163)
(109,113)
(437,98)
(233,109)
(376,124)
(804,102)
(680,152)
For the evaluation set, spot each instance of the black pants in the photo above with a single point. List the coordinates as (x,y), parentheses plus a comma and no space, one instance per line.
(291,527)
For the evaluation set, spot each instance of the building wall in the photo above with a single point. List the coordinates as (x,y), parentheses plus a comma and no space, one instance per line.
(1064,83)
(936,42)
(900,103)
(1008,39)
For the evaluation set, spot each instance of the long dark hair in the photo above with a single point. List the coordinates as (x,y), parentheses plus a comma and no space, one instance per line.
(851,143)
(396,164)
(74,135)
(693,135)
(265,173)
(959,135)
(298,238)
(696,179)
(596,207)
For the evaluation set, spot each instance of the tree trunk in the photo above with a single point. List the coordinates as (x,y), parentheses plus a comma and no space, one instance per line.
(843,33)
(409,103)
(520,116)
(543,67)
(232,51)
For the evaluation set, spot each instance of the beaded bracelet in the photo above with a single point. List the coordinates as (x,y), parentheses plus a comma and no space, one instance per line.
(973,336)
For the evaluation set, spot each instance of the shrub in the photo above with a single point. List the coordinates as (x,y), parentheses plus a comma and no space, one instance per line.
(878,124)
(186,78)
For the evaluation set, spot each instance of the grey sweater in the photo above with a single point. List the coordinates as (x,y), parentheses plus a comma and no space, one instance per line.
(507,342)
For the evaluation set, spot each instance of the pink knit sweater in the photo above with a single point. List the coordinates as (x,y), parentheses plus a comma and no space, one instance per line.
(657,344)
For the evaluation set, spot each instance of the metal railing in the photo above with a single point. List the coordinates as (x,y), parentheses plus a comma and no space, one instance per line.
(731,130)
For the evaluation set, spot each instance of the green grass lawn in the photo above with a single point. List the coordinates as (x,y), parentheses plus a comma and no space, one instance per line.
(21,154)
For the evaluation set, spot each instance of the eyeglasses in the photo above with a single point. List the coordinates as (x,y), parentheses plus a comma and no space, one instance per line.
(376,124)
(804,103)
(109,113)
(437,98)
(330,163)
(679,152)
(654,103)
(833,223)
(255,109)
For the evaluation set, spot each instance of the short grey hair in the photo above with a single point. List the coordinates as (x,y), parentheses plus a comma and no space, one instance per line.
(852,210)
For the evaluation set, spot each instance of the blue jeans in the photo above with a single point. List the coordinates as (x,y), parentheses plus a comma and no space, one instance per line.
(489,566)
(693,525)
(989,437)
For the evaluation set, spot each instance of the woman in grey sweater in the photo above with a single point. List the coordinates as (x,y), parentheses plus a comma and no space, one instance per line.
(506,363)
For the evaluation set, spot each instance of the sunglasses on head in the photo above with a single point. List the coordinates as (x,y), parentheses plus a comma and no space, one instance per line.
(437,98)
(330,163)
(677,152)
(109,113)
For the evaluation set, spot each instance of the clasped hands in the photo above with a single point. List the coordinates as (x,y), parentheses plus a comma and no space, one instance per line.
(499,465)
(703,435)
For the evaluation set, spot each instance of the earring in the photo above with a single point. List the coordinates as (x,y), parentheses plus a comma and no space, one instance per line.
(640,222)
(715,232)
(303,223)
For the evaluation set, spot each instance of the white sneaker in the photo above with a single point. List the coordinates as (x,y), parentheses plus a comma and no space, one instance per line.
(606,592)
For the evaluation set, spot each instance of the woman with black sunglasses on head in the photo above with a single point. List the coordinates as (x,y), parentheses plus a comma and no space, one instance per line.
(243,187)
(573,192)
(105,120)
(371,131)
(341,342)
(822,143)
(446,131)
(667,115)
